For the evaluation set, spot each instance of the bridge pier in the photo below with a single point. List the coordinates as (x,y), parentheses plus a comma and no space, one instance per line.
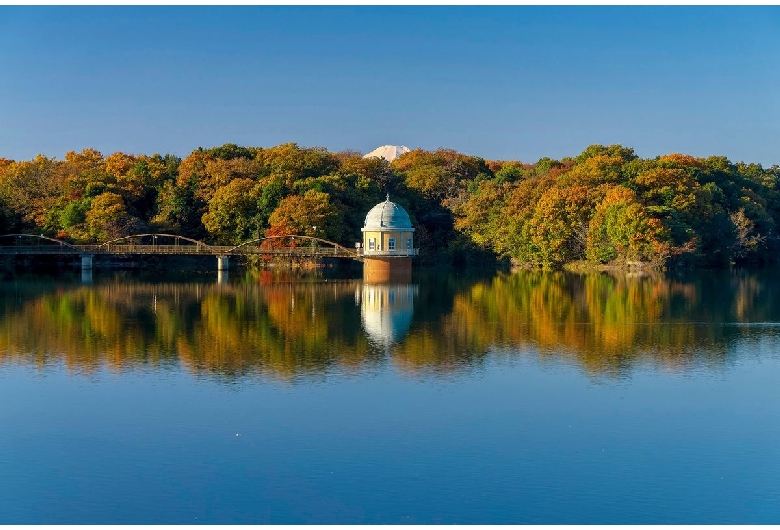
(86,269)
(222,269)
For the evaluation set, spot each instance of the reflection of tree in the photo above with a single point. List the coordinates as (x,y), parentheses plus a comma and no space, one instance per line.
(282,330)
(604,323)
(279,330)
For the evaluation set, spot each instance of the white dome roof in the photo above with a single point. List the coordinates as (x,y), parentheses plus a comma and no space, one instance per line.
(388,215)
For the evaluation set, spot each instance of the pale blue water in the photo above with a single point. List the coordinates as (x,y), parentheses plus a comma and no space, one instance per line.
(468,427)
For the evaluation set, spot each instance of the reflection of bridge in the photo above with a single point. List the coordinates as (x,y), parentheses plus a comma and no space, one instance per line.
(170,244)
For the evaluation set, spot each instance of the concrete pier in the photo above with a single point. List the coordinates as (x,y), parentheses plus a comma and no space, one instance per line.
(86,262)
(223,265)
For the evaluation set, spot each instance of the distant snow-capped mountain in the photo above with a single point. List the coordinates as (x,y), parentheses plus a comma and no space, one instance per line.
(388,152)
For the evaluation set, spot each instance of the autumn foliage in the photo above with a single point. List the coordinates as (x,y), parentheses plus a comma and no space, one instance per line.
(605,205)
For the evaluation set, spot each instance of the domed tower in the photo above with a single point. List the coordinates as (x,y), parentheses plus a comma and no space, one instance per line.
(388,243)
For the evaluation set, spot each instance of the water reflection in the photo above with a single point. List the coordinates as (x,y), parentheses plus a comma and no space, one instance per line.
(256,326)
(386,312)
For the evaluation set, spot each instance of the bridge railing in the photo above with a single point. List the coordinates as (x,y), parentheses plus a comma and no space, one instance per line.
(150,244)
(146,249)
(386,253)
(215,250)
(38,249)
(291,251)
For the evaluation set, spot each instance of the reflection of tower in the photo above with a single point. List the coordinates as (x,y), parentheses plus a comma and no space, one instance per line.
(386,312)
(388,244)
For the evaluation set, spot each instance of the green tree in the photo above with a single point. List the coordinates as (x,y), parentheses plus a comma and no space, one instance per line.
(231,217)
(621,228)
(559,225)
(107,218)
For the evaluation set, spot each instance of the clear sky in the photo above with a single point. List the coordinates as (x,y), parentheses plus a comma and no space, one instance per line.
(500,82)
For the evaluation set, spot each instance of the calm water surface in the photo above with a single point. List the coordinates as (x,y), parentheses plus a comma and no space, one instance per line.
(514,398)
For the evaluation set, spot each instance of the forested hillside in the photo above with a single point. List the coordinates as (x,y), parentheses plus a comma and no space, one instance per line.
(605,205)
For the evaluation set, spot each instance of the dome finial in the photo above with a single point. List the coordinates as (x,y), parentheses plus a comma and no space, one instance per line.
(388,197)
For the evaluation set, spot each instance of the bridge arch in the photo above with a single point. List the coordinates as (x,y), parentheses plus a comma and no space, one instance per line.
(70,247)
(308,241)
(177,238)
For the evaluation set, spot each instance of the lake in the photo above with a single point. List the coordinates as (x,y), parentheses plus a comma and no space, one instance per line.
(494,398)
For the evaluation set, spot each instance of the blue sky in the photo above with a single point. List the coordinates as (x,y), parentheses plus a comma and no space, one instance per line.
(501,82)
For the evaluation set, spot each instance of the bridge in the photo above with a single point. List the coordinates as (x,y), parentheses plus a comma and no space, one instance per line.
(156,244)
(291,246)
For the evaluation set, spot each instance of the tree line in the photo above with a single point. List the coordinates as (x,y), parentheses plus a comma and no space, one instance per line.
(606,205)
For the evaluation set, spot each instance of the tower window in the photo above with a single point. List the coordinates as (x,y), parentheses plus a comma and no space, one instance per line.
(391,244)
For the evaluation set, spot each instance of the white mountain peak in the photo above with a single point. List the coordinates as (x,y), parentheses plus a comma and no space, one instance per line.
(388,152)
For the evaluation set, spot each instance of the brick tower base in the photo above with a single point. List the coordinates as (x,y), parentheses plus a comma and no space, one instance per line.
(387,270)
